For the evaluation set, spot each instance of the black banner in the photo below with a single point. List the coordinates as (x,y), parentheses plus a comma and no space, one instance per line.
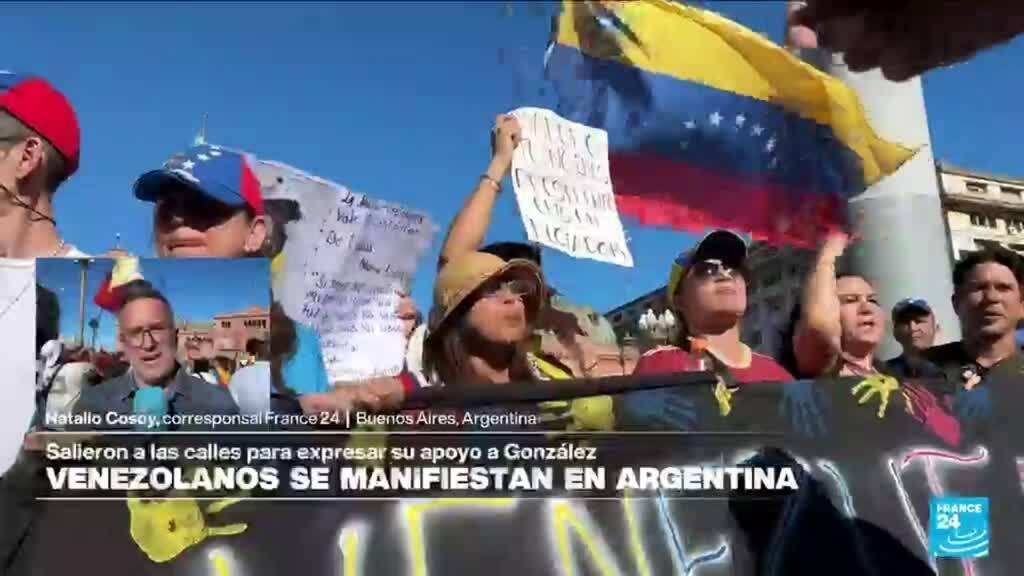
(865,478)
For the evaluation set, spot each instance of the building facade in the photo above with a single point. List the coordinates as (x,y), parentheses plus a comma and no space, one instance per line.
(226,336)
(980,209)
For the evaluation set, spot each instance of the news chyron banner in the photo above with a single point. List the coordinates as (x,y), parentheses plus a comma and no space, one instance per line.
(808,477)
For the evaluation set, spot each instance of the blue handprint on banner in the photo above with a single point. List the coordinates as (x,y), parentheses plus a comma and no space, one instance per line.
(973,406)
(805,406)
(661,408)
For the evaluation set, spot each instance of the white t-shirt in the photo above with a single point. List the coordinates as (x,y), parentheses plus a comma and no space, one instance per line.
(250,387)
(17,352)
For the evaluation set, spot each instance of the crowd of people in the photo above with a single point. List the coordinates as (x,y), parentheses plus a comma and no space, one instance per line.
(492,305)
(493,312)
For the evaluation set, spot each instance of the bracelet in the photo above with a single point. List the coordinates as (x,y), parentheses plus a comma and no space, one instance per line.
(491,181)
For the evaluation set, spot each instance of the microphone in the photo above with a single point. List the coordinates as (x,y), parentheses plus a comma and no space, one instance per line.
(150,405)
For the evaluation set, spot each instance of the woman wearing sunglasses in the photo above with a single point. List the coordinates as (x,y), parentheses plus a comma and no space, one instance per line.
(708,290)
(484,312)
(209,204)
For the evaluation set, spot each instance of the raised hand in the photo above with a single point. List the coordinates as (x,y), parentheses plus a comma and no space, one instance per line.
(505,137)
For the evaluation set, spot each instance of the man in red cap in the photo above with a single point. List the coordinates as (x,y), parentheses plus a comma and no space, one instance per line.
(39,143)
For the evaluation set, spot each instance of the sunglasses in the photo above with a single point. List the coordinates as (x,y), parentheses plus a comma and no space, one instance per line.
(514,288)
(193,209)
(713,269)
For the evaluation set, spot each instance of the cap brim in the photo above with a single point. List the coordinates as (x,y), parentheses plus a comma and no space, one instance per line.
(154,185)
(722,245)
(911,310)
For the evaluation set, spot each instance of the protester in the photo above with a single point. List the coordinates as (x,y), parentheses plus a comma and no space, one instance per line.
(39,150)
(485,310)
(469,228)
(708,290)
(841,324)
(147,333)
(989,302)
(905,39)
(209,204)
(915,328)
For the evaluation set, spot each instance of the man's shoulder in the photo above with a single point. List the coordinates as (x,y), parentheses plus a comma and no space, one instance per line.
(952,352)
(208,396)
(107,388)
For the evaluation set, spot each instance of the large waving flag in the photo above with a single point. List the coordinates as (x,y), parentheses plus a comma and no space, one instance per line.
(711,124)
(109,295)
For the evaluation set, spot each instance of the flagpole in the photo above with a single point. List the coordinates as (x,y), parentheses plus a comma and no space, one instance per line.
(904,249)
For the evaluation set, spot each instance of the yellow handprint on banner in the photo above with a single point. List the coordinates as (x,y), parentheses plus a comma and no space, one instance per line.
(165,528)
(724,396)
(591,413)
(878,384)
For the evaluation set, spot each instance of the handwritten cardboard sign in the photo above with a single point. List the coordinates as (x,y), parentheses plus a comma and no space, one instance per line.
(564,188)
(347,258)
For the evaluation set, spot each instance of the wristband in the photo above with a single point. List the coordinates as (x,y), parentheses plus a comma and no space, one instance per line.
(491,181)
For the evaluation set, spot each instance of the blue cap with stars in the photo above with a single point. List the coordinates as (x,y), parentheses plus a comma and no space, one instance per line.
(219,173)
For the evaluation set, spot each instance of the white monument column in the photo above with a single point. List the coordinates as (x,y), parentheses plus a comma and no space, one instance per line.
(904,248)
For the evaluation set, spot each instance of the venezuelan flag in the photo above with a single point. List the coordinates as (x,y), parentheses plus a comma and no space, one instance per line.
(711,124)
(109,294)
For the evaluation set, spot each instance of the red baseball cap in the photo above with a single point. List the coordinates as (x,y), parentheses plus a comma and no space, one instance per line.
(43,109)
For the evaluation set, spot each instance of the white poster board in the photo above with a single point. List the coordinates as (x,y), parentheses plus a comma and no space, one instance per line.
(564,190)
(346,260)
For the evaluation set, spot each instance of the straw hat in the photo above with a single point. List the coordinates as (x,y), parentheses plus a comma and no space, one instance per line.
(464,275)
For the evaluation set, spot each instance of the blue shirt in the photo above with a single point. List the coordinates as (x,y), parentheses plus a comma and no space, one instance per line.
(304,372)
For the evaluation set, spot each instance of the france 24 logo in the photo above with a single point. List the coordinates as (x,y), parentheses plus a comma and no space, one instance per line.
(958,527)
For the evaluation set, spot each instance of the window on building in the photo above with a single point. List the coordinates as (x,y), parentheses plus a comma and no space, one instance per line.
(225,324)
(1010,193)
(977,188)
(984,221)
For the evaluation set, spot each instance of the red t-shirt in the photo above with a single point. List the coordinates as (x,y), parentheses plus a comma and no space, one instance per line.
(671,359)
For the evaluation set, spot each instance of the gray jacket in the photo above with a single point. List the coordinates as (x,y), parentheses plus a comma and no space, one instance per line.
(187,395)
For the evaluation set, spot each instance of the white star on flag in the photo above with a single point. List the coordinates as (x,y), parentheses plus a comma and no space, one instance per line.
(202,157)
(715,119)
(690,124)
(214,152)
(757,130)
(770,145)
(188,164)
(741,120)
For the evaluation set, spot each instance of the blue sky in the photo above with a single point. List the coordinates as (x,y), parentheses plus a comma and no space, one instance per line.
(222,286)
(392,99)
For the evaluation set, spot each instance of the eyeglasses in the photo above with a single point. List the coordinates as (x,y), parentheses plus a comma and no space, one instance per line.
(514,288)
(136,337)
(713,269)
